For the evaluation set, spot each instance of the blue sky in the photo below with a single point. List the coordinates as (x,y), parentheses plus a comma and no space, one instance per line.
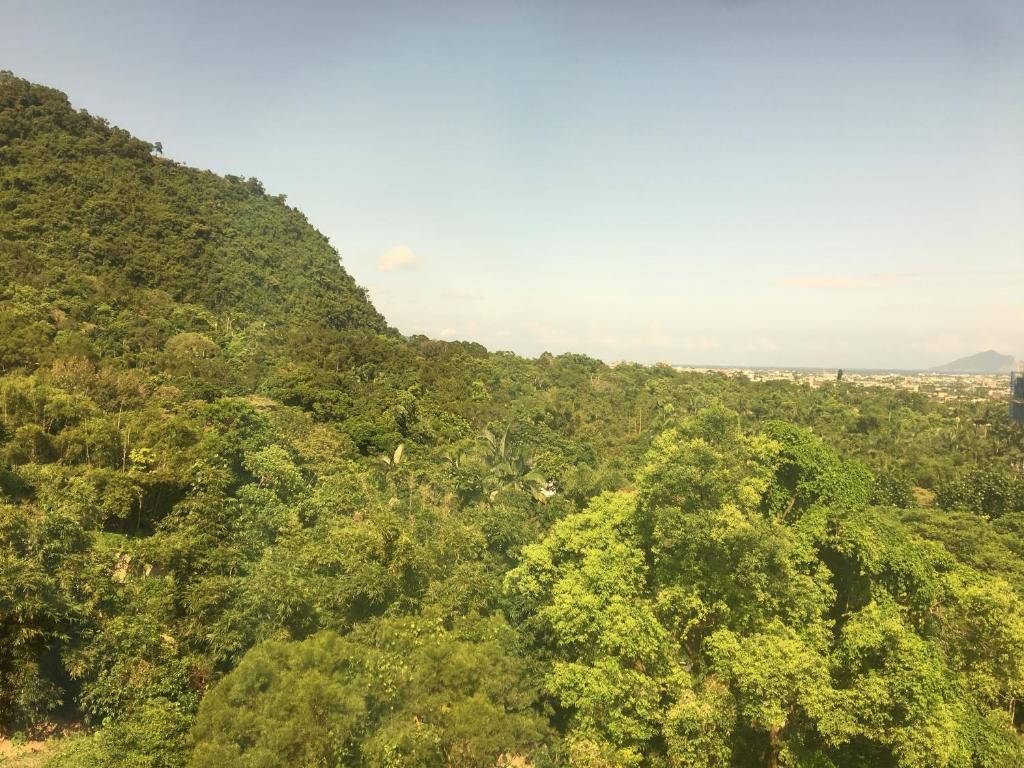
(757,182)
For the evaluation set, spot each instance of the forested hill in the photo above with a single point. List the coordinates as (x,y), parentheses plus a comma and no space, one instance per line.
(243,524)
(91,212)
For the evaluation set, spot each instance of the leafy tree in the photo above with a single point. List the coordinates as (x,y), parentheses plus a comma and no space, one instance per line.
(402,692)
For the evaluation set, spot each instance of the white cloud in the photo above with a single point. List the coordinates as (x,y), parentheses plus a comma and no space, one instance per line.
(447,333)
(399,257)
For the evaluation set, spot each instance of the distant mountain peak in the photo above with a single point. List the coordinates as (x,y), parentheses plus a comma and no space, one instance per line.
(989,361)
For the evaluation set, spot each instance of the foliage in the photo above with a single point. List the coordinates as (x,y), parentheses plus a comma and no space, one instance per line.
(706,608)
(244,522)
(395,692)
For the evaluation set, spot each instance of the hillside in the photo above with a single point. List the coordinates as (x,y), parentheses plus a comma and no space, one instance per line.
(93,211)
(989,361)
(244,523)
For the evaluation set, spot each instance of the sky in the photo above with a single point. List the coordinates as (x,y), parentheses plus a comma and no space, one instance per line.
(722,182)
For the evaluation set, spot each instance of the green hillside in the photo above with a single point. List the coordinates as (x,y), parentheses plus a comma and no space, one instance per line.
(95,213)
(244,523)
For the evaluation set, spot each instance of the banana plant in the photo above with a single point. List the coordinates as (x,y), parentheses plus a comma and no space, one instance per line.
(395,459)
(510,466)
(389,467)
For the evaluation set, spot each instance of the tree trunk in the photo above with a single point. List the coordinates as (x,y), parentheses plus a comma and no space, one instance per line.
(773,747)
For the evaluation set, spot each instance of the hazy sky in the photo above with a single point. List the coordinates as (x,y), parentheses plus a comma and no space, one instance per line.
(830,183)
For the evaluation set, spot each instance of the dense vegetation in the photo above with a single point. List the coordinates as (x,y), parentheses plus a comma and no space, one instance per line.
(244,523)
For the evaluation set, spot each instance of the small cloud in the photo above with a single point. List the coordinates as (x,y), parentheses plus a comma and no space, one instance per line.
(848,281)
(399,257)
(447,333)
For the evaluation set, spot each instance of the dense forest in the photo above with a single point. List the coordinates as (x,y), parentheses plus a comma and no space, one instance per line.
(244,523)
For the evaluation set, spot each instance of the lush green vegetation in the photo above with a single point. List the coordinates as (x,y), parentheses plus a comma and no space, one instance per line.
(244,523)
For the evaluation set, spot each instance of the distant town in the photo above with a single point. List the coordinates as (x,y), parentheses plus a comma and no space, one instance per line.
(941,386)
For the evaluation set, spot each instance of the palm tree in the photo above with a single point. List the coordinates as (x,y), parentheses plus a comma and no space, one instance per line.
(509,466)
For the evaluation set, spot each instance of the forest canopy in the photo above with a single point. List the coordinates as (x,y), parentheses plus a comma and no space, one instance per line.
(245,523)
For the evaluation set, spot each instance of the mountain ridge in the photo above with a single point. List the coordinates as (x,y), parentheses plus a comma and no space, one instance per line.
(989,361)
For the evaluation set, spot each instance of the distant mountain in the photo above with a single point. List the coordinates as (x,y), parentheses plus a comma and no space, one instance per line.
(983,362)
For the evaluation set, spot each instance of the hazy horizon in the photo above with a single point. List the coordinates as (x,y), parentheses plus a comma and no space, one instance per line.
(789,184)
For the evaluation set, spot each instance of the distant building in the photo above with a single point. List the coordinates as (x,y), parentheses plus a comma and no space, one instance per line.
(1017,396)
